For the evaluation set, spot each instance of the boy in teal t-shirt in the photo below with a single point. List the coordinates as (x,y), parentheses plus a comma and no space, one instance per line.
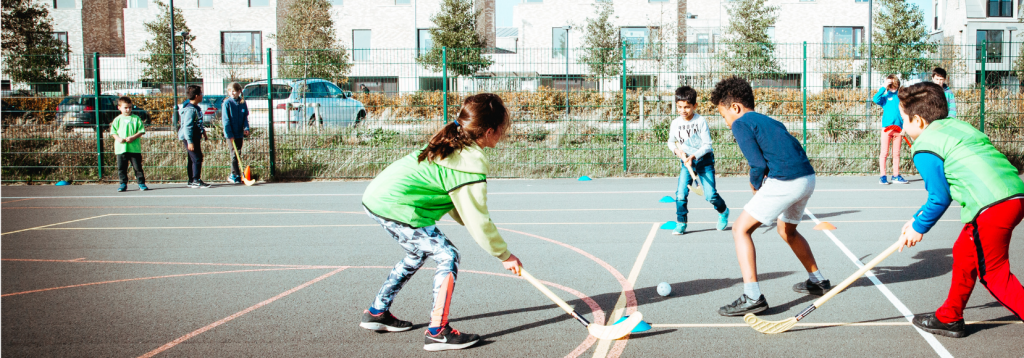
(126,130)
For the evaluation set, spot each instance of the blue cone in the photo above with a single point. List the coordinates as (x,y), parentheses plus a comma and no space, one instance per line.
(668,225)
(641,327)
(667,199)
(62,183)
(585,178)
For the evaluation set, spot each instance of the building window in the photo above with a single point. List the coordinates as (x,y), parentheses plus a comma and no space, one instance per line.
(337,2)
(361,45)
(63,38)
(559,42)
(843,42)
(259,3)
(139,4)
(860,1)
(771,33)
(63,4)
(705,44)
(635,39)
(205,3)
(241,47)
(1000,8)
(994,49)
(423,41)
(403,2)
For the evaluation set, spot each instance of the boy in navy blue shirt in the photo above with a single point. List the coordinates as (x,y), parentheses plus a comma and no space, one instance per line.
(782,179)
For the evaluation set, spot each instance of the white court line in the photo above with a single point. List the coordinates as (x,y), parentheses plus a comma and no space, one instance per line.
(360,194)
(604,345)
(928,337)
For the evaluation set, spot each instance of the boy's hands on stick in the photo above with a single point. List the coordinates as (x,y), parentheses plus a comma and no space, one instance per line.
(513,264)
(909,237)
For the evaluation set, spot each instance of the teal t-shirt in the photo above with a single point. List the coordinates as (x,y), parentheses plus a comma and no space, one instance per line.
(127,126)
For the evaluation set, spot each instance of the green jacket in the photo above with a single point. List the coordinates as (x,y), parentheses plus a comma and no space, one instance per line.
(978,174)
(420,193)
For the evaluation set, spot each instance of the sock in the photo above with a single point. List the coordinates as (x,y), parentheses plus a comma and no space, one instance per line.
(435,330)
(375,311)
(752,290)
(815,276)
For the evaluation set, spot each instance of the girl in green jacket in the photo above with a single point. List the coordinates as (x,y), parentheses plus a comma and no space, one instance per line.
(449,176)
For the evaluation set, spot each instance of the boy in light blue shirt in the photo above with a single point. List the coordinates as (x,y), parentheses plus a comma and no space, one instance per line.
(689,138)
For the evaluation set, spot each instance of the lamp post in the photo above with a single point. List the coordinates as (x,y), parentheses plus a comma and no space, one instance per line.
(567,28)
(174,74)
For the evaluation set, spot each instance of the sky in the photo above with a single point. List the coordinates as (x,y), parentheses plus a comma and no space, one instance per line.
(504,10)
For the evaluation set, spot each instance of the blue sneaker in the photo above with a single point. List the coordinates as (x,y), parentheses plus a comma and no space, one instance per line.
(883,181)
(680,228)
(122,187)
(723,220)
(232,179)
(143,187)
(899,180)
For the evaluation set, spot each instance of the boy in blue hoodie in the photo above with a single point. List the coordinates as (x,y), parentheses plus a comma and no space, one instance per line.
(892,128)
(191,135)
(235,120)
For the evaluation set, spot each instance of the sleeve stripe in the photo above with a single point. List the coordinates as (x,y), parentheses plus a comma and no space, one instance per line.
(467,183)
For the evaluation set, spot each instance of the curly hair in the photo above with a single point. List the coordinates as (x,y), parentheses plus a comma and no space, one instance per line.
(478,114)
(733,90)
(926,100)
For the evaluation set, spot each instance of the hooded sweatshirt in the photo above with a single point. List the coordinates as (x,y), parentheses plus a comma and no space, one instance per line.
(418,194)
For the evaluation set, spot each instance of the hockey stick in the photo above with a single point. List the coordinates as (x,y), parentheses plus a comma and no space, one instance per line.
(247,174)
(614,331)
(773,327)
(695,187)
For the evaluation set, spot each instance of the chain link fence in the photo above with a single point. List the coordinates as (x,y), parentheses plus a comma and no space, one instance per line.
(576,111)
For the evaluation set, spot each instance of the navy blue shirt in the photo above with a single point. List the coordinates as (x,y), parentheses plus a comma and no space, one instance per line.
(770,150)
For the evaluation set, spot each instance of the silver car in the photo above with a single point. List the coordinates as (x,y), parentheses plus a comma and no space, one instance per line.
(302,102)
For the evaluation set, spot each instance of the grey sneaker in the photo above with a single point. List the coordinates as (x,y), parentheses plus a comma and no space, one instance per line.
(812,288)
(384,322)
(744,305)
(200,184)
(929,323)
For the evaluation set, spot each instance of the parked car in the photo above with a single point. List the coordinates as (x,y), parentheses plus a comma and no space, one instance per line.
(298,102)
(80,111)
(210,106)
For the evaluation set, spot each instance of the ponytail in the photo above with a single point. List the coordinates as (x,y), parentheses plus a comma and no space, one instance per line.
(238,88)
(478,114)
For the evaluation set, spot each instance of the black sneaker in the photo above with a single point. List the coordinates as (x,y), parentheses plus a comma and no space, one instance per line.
(929,323)
(448,338)
(200,184)
(744,305)
(812,288)
(192,185)
(384,322)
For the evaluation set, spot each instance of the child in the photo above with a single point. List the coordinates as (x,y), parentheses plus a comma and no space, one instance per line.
(690,139)
(892,125)
(410,195)
(235,120)
(782,179)
(957,162)
(126,130)
(189,134)
(939,78)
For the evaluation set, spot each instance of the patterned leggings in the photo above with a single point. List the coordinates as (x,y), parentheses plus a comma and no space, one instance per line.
(418,244)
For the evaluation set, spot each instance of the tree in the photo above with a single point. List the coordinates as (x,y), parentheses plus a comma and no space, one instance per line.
(456,30)
(31,53)
(307,46)
(158,63)
(748,49)
(900,42)
(602,46)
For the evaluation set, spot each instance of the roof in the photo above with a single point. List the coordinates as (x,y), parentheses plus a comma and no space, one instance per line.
(507,32)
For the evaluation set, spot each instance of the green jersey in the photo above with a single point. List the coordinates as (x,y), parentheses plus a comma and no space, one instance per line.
(124,127)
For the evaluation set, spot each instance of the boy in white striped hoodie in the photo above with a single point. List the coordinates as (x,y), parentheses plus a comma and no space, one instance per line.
(689,138)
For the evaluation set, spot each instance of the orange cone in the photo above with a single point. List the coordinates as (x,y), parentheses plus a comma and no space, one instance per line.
(248,173)
(825,225)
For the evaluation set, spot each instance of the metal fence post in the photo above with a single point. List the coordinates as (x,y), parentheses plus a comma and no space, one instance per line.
(981,108)
(444,84)
(803,83)
(96,104)
(270,114)
(625,143)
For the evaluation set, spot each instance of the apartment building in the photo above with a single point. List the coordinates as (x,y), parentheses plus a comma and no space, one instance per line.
(972,23)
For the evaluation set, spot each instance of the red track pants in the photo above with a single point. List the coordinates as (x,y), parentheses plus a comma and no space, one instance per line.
(981,253)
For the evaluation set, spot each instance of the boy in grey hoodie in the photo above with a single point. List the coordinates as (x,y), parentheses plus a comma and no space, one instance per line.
(689,138)
(191,135)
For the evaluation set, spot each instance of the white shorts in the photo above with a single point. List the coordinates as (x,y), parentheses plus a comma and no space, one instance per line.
(782,199)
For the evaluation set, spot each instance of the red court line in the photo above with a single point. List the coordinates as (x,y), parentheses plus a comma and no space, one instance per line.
(146,278)
(627,289)
(15,201)
(236,315)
